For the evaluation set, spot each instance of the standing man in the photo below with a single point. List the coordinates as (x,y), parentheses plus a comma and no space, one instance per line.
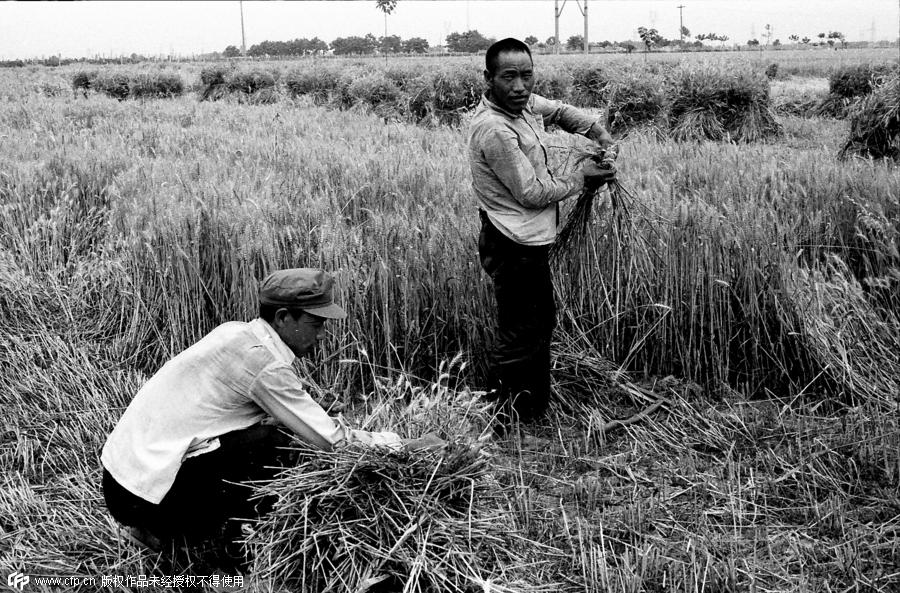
(194,429)
(518,199)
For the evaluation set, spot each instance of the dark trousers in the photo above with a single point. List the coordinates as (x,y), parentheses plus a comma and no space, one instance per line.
(201,501)
(526,316)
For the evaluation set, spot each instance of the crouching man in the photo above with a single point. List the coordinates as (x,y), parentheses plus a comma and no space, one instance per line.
(203,422)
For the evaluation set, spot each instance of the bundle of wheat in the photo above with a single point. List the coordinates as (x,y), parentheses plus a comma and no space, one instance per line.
(250,82)
(212,83)
(375,90)
(377,520)
(721,104)
(455,92)
(317,83)
(156,85)
(113,84)
(875,122)
(638,100)
(574,235)
(83,80)
(847,84)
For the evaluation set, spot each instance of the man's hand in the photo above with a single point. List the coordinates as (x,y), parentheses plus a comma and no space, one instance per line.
(598,134)
(426,442)
(595,175)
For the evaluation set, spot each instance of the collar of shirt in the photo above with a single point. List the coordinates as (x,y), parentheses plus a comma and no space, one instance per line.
(491,105)
(270,340)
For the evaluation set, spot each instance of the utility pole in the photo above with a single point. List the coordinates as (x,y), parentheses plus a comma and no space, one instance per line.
(681,22)
(557,10)
(584,12)
(243,40)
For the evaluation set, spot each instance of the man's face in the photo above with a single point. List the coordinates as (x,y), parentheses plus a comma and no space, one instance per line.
(301,331)
(510,85)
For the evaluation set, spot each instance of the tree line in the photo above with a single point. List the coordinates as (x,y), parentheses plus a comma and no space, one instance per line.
(473,41)
(369,44)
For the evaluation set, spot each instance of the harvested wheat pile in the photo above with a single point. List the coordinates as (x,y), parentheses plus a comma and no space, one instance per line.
(875,122)
(721,104)
(377,520)
(317,83)
(455,93)
(848,84)
(83,80)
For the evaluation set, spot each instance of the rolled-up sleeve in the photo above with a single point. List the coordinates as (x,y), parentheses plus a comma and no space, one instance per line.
(279,392)
(565,116)
(507,161)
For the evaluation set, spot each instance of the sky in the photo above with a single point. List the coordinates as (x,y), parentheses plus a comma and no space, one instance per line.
(113,28)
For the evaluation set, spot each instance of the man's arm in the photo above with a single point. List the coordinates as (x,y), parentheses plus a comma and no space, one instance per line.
(507,161)
(571,119)
(279,392)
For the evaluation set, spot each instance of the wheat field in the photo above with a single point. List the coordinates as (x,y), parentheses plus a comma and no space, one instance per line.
(755,298)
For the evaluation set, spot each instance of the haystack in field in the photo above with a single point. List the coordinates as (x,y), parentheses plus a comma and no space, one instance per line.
(158,85)
(721,104)
(250,86)
(112,84)
(875,122)
(382,521)
(847,84)
(212,81)
(316,83)
(83,80)
(632,98)
(455,93)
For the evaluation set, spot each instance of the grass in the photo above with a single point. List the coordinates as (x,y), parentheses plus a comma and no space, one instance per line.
(130,229)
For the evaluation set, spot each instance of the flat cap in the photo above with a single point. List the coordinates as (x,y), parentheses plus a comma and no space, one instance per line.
(307,289)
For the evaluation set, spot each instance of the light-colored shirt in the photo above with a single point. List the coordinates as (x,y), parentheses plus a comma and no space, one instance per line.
(509,167)
(231,379)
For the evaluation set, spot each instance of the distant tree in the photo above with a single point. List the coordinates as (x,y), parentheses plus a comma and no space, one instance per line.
(269,48)
(354,45)
(776,43)
(700,37)
(821,35)
(551,41)
(468,42)
(387,7)
(231,52)
(392,44)
(575,42)
(650,37)
(837,35)
(805,40)
(604,44)
(415,45)
(531,40)
(315,46)
(794,38)
(628,46)
(685,32)
(753,43)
